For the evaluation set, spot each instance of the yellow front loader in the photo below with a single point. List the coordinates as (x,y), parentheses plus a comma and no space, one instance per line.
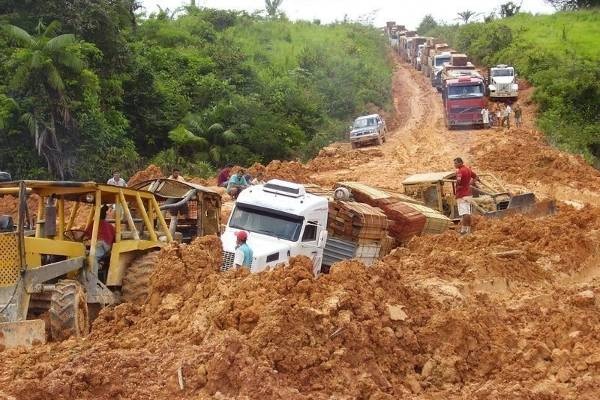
(49,266)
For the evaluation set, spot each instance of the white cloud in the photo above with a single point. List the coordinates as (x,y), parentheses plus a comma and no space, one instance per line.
(386,10)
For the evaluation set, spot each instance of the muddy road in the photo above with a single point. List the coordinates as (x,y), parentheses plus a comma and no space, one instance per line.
(421,143)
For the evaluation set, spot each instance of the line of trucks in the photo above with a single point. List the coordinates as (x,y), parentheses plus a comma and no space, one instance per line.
(465,89)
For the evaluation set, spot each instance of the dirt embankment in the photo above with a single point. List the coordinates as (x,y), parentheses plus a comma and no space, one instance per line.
(402,329)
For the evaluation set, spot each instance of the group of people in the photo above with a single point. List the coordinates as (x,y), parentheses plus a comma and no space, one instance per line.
(116,179)
(499,115)
(237,182)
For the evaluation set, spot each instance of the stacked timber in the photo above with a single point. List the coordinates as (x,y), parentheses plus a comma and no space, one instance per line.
(373,196)
(358,222)
(406,221)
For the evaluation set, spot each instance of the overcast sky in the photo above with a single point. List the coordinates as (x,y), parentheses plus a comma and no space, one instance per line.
(405,12)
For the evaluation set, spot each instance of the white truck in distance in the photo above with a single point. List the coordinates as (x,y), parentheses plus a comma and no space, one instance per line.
(282,221)
(502,82)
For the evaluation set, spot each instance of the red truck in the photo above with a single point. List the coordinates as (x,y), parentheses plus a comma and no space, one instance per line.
(464,98)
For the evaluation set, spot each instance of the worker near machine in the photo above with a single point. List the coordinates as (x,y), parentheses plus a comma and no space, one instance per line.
(224,175)
(506,116)
(106,236)
(518,115)
(465,178)
(485,116)
(243,252)
(498,116)
(259,180)
(236,184)
(176,175)
(116,180)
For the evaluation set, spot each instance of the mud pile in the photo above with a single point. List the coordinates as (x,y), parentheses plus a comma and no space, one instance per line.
(524,157)
(339,157)
(151,172)
(292,171)
(415,325)
(9,205)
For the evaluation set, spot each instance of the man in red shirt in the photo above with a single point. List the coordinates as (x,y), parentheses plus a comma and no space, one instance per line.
(106,236)
(465,178)
(224,175)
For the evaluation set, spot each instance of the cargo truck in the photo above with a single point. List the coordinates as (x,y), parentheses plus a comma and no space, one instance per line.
(502,82)
(464,98)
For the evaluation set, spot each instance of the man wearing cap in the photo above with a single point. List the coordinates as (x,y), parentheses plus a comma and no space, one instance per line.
(243,252)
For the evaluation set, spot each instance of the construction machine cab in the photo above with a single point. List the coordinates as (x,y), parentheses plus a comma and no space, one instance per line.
(49,260)
(191,210)
(437,190)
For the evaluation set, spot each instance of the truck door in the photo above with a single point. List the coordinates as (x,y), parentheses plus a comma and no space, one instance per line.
(311,236)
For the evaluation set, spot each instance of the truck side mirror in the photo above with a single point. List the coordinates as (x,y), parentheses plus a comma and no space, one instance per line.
(322,238)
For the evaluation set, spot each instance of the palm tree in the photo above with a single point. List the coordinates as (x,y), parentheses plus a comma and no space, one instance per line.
(40,67)
(466,15)
(272,6)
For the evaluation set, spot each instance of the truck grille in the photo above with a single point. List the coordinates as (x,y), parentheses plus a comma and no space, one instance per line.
(227,261)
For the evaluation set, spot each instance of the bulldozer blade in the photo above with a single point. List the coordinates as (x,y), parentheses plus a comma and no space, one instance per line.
(522,201)
(22,333)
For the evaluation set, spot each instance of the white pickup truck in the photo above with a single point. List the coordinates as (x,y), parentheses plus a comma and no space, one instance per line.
(282,221)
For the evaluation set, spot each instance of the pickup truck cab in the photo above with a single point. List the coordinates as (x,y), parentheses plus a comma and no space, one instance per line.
(368,129)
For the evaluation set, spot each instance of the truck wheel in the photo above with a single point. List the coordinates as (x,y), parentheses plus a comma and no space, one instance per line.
(379,140)
(68,311)
(136,281)
(354,145)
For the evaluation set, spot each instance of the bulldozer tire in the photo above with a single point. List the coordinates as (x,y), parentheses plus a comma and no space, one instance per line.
(68,311)
(136,281)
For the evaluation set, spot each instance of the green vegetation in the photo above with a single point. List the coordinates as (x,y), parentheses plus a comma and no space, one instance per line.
(559,54)
(93,87)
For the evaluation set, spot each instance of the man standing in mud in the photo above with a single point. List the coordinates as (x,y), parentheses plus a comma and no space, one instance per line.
(465,177)
(243,252)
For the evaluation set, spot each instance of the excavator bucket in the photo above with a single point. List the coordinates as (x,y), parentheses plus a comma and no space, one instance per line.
(522,202)
(525,204)
(22,333)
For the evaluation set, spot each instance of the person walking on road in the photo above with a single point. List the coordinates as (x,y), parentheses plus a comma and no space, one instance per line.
(465,178)
(243,252)
(498,116)
(485,116)
(518,115)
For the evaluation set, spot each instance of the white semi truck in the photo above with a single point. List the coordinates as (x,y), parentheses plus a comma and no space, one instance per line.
(282,221)
(503,82)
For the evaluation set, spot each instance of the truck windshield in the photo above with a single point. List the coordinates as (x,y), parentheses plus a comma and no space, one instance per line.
(475,90)
(364,122)
(502,72)
(439,61)
(266,222)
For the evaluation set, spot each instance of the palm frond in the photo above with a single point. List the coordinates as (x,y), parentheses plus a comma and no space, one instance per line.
(29,120)
(229,136)
(17,34)
(60,42)
(54,79)
(71,61)
(216,153)
(52,29)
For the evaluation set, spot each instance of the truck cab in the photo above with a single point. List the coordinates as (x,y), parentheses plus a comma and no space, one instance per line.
(436,67)
(502,82)
(282,221)
(464,98)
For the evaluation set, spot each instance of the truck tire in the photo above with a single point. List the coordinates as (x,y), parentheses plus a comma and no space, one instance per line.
(136,281)
(68,311)
(354,145)
(379,140)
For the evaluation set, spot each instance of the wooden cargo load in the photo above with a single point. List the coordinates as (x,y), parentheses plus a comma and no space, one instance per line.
(459,60)
(410,220)
(373,196)
(356,221)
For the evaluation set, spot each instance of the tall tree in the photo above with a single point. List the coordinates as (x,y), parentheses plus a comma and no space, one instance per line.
(573,4)
(39,70)
(509,9)
(427,24)
(466,15)
(272,7)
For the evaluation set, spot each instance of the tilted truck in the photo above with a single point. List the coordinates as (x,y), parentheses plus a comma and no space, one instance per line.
(502,82)
(284,220)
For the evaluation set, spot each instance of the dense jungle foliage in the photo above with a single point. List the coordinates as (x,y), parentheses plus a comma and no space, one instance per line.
(90,86)
(560,55)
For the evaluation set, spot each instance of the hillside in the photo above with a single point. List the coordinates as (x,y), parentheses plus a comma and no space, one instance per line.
(558,54)
(195,89)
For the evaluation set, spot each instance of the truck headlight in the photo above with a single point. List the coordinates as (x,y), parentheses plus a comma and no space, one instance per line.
(493,88)
(515,86)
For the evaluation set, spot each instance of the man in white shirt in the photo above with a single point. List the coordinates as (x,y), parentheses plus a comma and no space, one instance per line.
(175,175)
(116,180)
(506,116)
(485,115)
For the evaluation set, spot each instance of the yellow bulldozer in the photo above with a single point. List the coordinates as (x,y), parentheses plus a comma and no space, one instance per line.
(490,197)
(50,265)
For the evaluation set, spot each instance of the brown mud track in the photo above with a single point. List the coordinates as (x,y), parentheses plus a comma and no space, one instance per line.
(509,312)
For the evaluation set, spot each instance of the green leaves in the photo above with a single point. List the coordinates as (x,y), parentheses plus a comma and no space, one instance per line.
(16,34)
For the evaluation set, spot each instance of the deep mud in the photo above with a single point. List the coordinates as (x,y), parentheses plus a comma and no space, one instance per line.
(509,312)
